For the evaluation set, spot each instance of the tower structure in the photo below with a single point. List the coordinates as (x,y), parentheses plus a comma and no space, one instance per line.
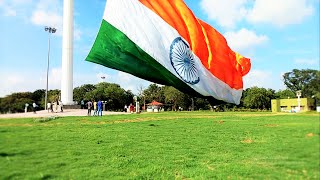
(67,54)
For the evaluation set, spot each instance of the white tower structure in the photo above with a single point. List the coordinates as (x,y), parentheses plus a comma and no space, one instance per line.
(298,93)
(67,54)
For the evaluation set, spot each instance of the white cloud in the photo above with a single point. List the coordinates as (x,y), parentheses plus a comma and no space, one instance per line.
(55,78)
(280,13)
(28,81)
(125,80)
(32,80)
(294,51)
(125,77)
(14,83)
(227,13)
(259,78)
(244,40)
(308,62)
(50,13)
(44,18)
(11,7)
(77,33)
(8,11)
(20,2)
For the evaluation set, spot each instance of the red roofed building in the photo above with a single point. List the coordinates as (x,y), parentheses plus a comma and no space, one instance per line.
(154,106)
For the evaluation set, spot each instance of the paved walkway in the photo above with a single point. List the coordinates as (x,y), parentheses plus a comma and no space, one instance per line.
(66,112)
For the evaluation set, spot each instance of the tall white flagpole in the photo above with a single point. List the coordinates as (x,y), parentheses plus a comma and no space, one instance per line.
(67,54)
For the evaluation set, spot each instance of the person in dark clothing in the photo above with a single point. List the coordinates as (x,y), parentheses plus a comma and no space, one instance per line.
(89,104)
(100,104)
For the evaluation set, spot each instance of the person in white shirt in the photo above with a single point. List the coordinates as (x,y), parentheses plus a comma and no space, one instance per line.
(34,105)
(49,106)
(26,107)
(61,106)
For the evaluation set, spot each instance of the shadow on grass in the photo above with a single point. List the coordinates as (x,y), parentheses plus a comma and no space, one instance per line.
(4,154)
(13,176)
(45,119)
(47,176)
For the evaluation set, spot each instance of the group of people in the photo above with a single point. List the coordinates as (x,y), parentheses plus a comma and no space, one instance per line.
(96,107)
(52,107)
(129,109)
(34,107)
(55,106)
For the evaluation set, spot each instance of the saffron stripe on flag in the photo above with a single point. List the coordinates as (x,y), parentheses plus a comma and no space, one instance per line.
(207,43)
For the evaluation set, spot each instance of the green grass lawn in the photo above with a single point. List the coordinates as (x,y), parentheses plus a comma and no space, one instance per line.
(184,145)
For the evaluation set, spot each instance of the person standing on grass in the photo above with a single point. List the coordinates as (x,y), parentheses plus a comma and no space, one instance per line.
(34,105)
(100,104)
(57,105)
(48,106)
(61,106)
(95,110)
(125,108)
(82,104)
(89,104)
(26,107)
(53,106)
(131,107)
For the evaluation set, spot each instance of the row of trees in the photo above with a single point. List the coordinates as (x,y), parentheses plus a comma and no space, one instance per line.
(308,81)
(252,98)
(115,96)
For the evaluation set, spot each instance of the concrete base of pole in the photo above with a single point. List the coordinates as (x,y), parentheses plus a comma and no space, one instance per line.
(69,103)
(71,107)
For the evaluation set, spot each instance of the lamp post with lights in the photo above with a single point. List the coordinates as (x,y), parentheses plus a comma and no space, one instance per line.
(50,30)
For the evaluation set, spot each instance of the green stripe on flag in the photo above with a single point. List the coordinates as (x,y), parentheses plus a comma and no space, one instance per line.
(115,50)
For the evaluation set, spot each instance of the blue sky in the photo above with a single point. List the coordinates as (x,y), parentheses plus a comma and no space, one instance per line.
(278,36)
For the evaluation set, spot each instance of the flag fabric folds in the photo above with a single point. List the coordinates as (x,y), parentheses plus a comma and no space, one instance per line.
(163,42)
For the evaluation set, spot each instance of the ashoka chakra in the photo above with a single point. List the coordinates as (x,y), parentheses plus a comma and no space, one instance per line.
(183,62)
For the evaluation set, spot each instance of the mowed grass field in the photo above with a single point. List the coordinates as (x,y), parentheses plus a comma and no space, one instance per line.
(171,145)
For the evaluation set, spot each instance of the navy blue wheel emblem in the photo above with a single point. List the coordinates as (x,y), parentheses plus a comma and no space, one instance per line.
(183,62)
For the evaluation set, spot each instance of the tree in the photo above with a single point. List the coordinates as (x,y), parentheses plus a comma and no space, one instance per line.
(53,95)
(258,98)
(116,96)
(172,96)
(129,97)
(80,92)
(306,80)
(16,102)
(38,97)
(154,92)
(284,94)
(201,103)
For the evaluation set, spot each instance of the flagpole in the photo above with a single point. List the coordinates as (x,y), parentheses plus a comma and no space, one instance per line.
(67,54)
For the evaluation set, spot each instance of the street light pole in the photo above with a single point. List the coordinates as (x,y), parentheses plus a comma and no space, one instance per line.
(50,30)
(103,77)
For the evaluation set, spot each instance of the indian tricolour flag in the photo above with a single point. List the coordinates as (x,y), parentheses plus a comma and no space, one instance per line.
(163,42)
